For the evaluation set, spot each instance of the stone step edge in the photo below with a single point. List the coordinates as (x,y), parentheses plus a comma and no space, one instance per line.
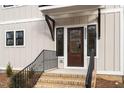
(67,77)
(61,78)
(56,85)
(52,86)
(39,84)
(70,82)
(63,75)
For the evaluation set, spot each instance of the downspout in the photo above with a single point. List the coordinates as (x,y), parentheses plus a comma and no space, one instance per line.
(99,23)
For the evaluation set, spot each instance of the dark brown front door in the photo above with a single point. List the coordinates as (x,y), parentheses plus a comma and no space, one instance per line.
(75,47)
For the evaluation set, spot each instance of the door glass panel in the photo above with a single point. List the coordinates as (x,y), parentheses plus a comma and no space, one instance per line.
(91,39)
(75,41)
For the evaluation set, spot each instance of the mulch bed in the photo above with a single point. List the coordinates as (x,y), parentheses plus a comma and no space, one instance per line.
(103,83)
(100,83)
(3,80)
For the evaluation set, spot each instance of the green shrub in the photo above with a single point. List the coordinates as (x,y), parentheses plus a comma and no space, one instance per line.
(9,71)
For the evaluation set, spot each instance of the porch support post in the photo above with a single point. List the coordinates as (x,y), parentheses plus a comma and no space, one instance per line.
(51,25)
(99,23)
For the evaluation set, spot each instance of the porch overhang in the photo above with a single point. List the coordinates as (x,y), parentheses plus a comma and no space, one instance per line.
(51,12)
(60,10)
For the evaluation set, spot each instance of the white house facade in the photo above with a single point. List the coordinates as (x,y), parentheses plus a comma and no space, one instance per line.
(24,33)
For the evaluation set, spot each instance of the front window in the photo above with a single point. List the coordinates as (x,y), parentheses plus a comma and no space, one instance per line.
(60,41)
(10,38)
(19,38)
(91,39)
(15,38)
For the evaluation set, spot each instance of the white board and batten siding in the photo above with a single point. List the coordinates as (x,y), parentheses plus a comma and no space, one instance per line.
(109,44)
(37,35)
(37,38)
(19,13)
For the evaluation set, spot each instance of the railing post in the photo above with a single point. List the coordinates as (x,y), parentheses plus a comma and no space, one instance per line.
(43,61)
(88,81)
(57,60)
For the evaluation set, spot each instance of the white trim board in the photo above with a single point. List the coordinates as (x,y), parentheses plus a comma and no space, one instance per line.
(4,68)
(110,72)
(86,13)
(122,40)
(54,7)
(22,21)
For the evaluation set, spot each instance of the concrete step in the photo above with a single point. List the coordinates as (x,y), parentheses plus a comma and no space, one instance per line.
(56,80)
(61,78)
(63,75)
(49,85)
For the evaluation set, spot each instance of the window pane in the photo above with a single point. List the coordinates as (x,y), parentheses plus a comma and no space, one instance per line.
(91,39)
(19,37)
(9,38)
(60,41)
(75,41)
(19,34)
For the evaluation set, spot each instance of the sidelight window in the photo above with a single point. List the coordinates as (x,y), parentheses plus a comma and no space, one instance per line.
(60,41)
(91,39)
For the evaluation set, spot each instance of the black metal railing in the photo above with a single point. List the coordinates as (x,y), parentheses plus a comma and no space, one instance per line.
(29,76)
(89,76)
